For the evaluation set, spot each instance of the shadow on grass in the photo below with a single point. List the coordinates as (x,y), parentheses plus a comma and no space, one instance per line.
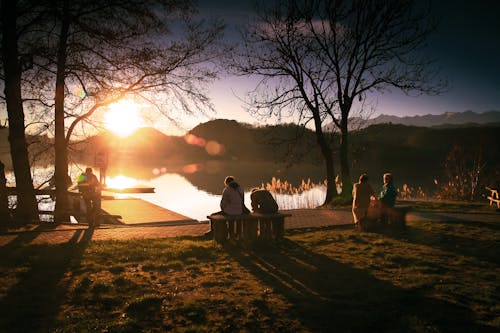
(461,242)
(32,304)
(330,296)
(454,218)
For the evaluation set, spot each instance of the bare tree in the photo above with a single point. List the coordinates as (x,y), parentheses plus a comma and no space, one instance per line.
(320,59)
(111,49)
(464,170)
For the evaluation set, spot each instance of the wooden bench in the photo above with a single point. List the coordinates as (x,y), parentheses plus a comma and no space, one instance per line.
(493,197)
(248,227)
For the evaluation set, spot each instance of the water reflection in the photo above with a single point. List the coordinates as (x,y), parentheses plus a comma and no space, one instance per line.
(196,194)
(174,192)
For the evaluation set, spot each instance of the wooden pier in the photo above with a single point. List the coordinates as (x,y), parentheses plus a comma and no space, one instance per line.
(131,211)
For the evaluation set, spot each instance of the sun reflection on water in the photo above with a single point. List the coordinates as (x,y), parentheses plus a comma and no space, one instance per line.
(120,182)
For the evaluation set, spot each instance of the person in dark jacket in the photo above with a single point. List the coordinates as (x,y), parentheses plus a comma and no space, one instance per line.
(263,201)
(388,194)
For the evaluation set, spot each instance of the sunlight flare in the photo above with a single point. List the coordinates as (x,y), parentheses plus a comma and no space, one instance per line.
(123,117)
(120,182)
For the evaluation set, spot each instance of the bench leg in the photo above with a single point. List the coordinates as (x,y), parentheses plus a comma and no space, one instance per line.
(240,228)
(250,230)
(220,231)
(265,229)
(278,226)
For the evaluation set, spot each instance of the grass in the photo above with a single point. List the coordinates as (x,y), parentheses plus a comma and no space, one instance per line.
(430,277)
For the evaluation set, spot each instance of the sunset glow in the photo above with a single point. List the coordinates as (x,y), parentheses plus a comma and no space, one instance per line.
(123,117)
(120,182)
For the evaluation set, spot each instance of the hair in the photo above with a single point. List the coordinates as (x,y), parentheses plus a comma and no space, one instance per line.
(363,178)
(389,177)
(229,179)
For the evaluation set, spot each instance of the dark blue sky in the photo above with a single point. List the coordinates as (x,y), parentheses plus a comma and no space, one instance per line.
(466,46)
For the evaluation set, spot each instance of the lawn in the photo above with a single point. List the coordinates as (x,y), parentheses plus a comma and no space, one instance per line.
(430,277)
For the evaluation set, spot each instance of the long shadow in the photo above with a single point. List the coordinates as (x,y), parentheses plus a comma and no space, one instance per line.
(328,296)
(32,304)
(443,218)
(461,245)
(26,237)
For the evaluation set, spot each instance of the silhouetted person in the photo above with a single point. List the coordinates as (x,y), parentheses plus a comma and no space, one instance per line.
(263,201)
(361,196)
(89,186)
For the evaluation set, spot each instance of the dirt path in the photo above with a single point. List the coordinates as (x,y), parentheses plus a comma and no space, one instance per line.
(301,218)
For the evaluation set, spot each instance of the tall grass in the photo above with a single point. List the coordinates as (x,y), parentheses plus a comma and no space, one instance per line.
(307,194)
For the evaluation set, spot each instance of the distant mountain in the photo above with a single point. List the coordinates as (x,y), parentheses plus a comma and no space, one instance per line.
(431,120)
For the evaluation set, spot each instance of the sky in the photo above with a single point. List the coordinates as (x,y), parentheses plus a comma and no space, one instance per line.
(466,46)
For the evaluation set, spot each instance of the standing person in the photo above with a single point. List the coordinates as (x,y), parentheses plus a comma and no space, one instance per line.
(89,186)
(361,196)
(263,201)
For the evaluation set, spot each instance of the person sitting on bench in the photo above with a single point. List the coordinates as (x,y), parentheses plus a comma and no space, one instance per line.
(263,202)
(387,197)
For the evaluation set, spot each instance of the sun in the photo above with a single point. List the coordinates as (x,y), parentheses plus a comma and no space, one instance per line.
(123,117)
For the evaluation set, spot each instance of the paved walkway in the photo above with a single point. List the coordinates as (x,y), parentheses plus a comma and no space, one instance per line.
(301,218)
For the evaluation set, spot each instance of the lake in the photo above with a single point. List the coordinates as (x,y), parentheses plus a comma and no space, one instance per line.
(194,190)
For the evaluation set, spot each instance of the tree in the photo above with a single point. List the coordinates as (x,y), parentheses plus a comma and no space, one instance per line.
(463,169)
(324,58)
(112,49)
(27,207)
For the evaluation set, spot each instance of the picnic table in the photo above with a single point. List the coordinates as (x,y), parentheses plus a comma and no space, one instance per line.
(493,197)
(248,227)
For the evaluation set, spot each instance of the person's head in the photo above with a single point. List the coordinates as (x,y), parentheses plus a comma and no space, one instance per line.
(388,178)
(88,171)
(363,178)
(228,180)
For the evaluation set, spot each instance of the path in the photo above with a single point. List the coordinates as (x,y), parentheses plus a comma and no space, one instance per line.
(301,218)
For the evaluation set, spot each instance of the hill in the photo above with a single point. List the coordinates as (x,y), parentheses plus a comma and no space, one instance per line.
(219,147)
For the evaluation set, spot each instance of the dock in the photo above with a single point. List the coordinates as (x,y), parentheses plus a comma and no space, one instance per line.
(138,212)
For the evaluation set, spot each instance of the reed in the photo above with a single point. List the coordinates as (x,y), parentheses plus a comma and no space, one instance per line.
(307,194)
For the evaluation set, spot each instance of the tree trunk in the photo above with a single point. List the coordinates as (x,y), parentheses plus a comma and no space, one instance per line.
(344,162)
(61,149)
(331,188)
(27,207)
(4,204)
